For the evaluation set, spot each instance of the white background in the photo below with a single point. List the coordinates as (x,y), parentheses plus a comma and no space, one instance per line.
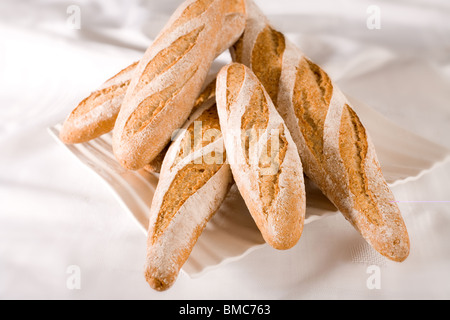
(54,213)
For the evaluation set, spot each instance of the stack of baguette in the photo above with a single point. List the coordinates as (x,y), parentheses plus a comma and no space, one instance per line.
(271,117)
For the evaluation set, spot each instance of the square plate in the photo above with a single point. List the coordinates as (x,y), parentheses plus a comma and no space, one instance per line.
(232,233)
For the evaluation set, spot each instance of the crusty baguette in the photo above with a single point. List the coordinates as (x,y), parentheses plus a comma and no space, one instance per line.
(170,76)
(208,93)
(194,181)
(263,157)
(336,149)
(97,114)
(156,164)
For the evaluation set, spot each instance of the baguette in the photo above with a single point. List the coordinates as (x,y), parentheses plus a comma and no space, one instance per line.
(336,149)
(97,114)
(207,94)
(156,164)
(194,181)
(170,76)
(263,157)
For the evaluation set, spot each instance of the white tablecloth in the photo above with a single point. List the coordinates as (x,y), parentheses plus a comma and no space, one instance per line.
(55,214)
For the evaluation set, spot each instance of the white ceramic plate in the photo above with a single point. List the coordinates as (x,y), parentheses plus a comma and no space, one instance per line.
(231,234)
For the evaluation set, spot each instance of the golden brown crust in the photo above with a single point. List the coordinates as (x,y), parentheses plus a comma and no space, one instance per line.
(207,94)
(336,150)
(87,121)
(235,78)
(235,6)
(267,60)
(263,157)
(156,164)
(274,156)
(312,97)
(190,191)
(192,11)
(390,236)
(166,58)
(254,120)
(149,108)
(169,78)
(209,126)
(353,147)
(187,182)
